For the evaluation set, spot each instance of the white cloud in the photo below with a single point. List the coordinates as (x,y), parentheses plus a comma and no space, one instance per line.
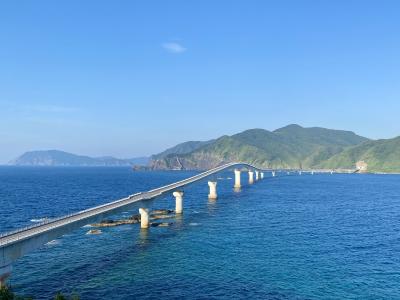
(174,48)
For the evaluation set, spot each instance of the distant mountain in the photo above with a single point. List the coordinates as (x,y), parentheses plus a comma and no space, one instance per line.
(61,158)
(289,147)
(139,161)
(292,147)
(380,155)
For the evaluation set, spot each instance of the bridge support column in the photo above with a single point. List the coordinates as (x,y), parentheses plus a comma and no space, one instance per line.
(251,177)
(273,173)
(257,175)
(144,217)
(237,179)
(213,190)
(178,202)
(262,175)
(5,272)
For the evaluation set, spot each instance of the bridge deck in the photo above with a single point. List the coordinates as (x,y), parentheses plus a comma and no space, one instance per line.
(27,233)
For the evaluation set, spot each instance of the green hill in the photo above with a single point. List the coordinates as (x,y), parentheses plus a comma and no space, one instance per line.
(380,155)
(289,147)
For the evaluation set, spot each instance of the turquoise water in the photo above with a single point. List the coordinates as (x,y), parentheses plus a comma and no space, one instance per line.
(288,237)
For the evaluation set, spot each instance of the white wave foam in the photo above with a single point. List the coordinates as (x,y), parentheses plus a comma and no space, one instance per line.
(38,220)
(53,243)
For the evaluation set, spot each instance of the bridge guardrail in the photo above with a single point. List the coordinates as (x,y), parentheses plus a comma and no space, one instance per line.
(53,220)
(5,238)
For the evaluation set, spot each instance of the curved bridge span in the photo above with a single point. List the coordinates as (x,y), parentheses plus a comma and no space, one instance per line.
(15,244)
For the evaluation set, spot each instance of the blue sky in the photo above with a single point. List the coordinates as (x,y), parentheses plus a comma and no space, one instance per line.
(130,78)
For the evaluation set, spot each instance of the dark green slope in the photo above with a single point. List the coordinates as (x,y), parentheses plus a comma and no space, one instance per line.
(289,147)
(380,155)
(314,145)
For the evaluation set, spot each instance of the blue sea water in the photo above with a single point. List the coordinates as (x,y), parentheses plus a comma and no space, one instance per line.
(288,237)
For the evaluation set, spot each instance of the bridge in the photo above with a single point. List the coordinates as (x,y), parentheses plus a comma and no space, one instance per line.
(16,244)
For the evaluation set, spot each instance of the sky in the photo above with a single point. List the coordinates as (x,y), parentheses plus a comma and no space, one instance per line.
(131,78)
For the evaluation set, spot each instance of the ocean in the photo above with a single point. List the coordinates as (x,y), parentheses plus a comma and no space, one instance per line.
(316,236)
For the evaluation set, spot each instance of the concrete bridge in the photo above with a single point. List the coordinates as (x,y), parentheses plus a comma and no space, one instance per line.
(15,244)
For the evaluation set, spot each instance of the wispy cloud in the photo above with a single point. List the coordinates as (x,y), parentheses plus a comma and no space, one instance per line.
(174,48)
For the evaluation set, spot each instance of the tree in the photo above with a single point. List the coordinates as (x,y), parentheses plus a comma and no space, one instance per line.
(59,296)
(6,293)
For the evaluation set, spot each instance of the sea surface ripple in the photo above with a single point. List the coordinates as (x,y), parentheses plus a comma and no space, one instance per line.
(289,237)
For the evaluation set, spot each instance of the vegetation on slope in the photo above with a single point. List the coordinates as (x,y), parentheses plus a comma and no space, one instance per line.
(7,294)
(290,147)
(380,155)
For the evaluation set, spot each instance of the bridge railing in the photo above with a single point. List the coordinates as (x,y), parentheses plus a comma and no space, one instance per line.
(13,235)
(48,221)
(39,224)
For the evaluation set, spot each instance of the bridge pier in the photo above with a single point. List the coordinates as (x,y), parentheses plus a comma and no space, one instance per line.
(15,245)
(237,179)
(262,175)
(213,190)
(178,201)
(251,177)
(273,173)
(257,175)
(144,217)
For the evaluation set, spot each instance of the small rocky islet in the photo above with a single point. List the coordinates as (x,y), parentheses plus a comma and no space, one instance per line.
(94,231)
(156,214)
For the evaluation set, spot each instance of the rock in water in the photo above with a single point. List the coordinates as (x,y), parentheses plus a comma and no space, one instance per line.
(112,223)
(164,224)
(155,214)
(135,218)
(161,212)
(156,217)
(94,231)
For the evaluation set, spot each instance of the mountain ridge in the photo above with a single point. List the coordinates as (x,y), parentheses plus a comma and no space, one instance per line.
(292,146)
(289,147)
(54,158)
